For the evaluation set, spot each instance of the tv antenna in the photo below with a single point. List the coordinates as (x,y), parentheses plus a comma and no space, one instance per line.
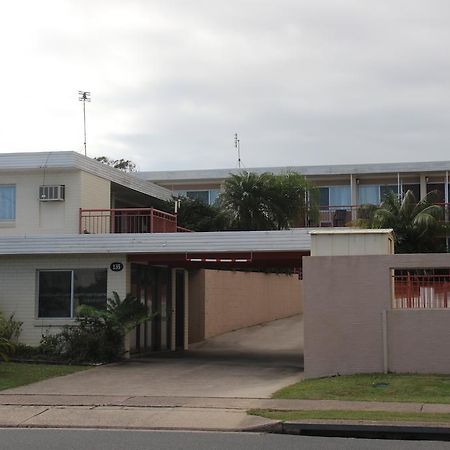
(84,96)
(237,146)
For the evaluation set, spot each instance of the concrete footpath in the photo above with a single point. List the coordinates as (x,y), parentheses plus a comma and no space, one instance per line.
(175,413)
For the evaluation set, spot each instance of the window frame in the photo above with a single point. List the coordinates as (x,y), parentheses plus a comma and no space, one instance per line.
(72,290)
(11,220)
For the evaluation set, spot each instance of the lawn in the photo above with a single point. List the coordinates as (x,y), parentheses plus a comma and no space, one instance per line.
(372,387)
(385,416)
(17,374)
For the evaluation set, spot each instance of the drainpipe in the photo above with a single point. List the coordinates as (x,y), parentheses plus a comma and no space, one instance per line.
(385,341)
(186,310)
(173,312)
(446,207)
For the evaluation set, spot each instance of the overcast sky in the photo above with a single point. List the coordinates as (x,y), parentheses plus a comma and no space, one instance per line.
(302,81)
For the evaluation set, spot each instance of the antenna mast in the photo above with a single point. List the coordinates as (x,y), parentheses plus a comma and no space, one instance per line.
(84,96)
(237,146)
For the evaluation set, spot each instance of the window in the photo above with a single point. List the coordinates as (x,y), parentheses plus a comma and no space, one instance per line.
(203,196)
(207,196)
(213,196)
(439,191)
(62,291)
(7,202)
(385,189)
(368,194)
(324,196)
(340,196)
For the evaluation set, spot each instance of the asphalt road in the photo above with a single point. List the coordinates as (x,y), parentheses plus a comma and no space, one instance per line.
(50,439)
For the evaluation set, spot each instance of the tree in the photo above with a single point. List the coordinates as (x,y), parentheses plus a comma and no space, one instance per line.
(267,201)
(125,165)
(197,215)
(417,224)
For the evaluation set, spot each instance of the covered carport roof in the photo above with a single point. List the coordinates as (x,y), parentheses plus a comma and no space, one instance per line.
(231,248)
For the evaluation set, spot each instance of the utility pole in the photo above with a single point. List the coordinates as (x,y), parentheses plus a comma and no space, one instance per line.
(84,96)
(237,146)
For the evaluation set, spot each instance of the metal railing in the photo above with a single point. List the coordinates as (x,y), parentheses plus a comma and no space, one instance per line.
(128,220)
(341,216)
(413,291)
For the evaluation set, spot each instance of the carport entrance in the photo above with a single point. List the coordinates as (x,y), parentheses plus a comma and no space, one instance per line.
(166,281)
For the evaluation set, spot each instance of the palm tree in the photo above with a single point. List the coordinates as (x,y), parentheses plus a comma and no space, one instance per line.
(417,224)
(246,199)
(267,201)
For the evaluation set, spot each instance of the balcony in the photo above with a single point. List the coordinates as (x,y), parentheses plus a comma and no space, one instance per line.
(128,220)
(341,216)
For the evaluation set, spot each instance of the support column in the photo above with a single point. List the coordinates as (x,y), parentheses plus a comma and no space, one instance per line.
(186,310)
(423,186)
(446,189)
(353,196)
(173,312)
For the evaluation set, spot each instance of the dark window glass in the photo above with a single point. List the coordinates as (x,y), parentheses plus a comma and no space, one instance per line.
(203,196)
(439,189)
(324,196)
(415,188)
(384,190)
(90,288)
(55,293)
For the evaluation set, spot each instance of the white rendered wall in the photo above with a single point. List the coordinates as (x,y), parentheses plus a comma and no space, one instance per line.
(36,217)
(341,244)
(18,282)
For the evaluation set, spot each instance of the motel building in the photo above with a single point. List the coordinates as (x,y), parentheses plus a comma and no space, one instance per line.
(73,231)
(342,188)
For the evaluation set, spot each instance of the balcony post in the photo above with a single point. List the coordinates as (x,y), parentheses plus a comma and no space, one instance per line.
(353,197)
(151,219)
(423,186)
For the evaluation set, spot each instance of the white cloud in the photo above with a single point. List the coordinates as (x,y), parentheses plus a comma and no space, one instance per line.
(302,82)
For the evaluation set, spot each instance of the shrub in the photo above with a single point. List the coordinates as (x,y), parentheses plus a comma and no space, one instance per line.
(10,329)
(6,348)
(99,334)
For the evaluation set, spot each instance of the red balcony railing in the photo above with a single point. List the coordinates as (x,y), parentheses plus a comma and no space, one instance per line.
(412,291)
(335,216)
(128,220)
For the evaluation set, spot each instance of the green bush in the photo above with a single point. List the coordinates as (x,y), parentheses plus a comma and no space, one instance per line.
(6,348)
(9,332)
(99,334)
(10,329)
(23,351)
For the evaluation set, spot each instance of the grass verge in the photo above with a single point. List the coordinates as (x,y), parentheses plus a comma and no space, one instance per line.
(372,387)
(17,374)
(382,416)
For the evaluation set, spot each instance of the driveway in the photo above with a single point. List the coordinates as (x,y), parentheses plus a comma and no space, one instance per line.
(252,362)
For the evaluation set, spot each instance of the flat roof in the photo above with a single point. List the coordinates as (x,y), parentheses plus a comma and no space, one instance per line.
(295,240)
(322,170)
(352,231)
(67,160)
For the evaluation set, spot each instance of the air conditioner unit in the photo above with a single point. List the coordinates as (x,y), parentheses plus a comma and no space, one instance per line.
(52,193)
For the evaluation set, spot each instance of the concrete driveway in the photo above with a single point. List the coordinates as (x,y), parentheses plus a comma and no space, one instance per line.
(252,362)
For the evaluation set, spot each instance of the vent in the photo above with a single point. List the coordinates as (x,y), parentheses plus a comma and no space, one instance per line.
(52,193)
